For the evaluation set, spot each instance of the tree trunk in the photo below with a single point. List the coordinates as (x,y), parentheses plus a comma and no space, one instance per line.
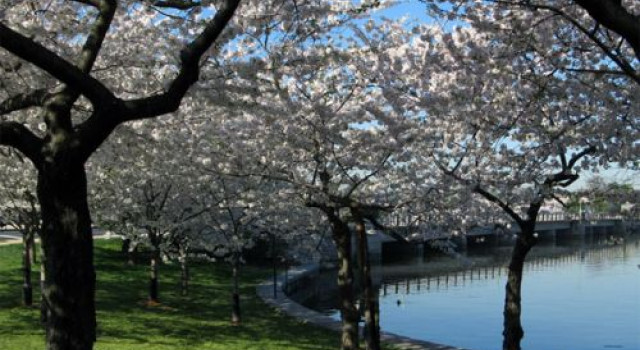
(67,242)
(43,303)
(126,243)
(127,250)
(153,276)
(372,339)
(513,332)
(235,302)
(132,255)
(34,249)
(27,287)
(184,273)
(348,311)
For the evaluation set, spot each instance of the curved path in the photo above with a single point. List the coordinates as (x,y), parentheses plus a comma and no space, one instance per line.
(304,314)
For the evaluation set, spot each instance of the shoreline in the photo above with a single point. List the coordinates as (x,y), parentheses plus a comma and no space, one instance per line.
(283,303)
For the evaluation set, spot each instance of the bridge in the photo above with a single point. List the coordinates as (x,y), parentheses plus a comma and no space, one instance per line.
(550,227)
(557,228)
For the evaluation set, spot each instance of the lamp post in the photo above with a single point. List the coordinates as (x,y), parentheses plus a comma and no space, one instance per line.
(582,200)
(580,209)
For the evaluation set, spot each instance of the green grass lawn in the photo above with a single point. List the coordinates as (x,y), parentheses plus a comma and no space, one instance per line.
(126,322)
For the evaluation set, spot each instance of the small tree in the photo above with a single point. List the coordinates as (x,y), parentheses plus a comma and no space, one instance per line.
(21,212)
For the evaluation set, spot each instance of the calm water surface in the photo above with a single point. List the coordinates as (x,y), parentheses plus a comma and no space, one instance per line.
(575,297)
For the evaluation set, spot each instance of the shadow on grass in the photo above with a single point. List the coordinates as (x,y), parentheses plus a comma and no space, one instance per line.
(16,319)
(200,320)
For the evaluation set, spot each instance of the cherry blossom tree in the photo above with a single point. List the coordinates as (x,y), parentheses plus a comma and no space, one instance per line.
(243,205)
(583,61)
(313,123)
(151,206)
(21,212)
(76,109)
(508,128)
(233,224)
(589,42)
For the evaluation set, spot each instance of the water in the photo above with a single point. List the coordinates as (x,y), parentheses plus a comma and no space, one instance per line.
(575,297)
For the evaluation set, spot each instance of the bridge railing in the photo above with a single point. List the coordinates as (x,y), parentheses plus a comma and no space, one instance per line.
(546,217)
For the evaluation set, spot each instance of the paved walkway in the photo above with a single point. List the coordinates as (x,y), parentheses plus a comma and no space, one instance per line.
(14,237)
(290,307)
(9,238)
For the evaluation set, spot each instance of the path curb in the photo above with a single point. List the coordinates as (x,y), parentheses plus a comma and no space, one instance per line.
(306,315)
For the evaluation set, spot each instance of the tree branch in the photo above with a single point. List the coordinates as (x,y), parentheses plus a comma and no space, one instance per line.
(576,157)
(611,14)
(621,62)
(169,101)
(61,103)
(100,125)
(53,64)
(370,175)
(18,136)
(23,101)
(176,4)
(504,206)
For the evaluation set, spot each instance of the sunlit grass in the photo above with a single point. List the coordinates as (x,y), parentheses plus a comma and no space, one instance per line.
(125,321)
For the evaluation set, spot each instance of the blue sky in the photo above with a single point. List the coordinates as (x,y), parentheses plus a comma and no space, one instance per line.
(411,9)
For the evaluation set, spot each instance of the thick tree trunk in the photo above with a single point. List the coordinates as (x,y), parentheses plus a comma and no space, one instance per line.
(348,311)
(153,277)
(372,339)
(235,302)
(27,287)
(513,332)
(67,242)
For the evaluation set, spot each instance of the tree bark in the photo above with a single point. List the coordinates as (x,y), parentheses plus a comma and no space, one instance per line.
(513,332)
(348,311)
(235,302)
(27,286)
(67,242)
(372,338)
(153,276)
